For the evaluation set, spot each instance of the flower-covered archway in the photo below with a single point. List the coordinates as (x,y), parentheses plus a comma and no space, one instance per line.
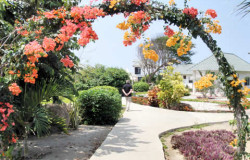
(45,40)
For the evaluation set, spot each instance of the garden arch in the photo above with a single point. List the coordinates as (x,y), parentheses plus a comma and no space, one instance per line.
(37,42)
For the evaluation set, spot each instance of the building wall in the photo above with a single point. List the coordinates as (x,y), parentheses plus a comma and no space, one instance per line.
(188,80)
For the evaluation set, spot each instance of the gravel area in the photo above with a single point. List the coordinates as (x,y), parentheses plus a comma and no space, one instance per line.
(205,106)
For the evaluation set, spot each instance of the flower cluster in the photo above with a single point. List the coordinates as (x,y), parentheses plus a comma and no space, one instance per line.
(211,12)
(236,82)
(129,38)
(140,100)
(172,41)
(123,25)
(139,2)
(113,3)
(49,44)
(138,22)
(5,110)
(86,12)
(14,89)
(213,27)
(171,2)
(233,143)
(59,13)
(185,46)
(168,31)
(149,53)
(185,42)
(191,12)
(67,62)
(205,81)
(86,35)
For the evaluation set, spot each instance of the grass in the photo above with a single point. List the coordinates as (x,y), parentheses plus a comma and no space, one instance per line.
(139,93)
(248,96)
(204,100)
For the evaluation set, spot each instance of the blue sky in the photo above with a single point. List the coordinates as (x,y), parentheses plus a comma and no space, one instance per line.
(110,51)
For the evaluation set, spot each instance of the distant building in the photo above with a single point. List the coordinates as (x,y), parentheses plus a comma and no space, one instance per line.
(191,72)
(137,72)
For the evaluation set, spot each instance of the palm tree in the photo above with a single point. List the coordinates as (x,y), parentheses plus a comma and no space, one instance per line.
(244,7)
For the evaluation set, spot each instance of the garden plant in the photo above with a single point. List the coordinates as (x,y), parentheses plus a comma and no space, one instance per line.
(46,40)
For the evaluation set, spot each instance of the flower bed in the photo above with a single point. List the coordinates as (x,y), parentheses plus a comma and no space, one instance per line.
(205,144)
(140,100)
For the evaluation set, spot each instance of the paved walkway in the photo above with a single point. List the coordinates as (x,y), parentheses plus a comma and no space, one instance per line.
(136,135)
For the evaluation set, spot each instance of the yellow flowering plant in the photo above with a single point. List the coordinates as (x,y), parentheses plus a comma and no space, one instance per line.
(205,83)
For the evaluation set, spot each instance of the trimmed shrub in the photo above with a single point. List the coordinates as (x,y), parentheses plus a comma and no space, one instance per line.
(141,87)
(100,105)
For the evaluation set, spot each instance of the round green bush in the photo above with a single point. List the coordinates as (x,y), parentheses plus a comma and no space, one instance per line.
(141,87)
(100,105)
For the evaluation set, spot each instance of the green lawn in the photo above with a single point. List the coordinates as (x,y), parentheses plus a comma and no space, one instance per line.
(139,93)
(204,100)
(248,96)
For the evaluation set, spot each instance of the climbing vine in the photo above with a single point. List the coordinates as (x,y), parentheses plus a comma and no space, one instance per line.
(43,39)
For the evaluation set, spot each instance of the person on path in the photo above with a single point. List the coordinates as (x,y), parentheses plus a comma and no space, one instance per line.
(127,91)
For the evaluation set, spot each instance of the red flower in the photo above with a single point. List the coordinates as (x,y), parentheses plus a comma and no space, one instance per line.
(169,32)
(211,12)
(191,11)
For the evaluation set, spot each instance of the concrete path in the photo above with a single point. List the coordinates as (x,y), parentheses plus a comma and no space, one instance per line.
(136,135)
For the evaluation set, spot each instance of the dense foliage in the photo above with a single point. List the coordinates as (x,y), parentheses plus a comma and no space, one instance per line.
(205,144)
(100,105)
(171,88)
(141,87)
(100,75)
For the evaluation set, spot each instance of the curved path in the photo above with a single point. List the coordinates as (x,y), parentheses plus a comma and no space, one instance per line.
(136,135)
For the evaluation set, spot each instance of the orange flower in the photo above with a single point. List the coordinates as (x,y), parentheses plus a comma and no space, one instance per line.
(11,72)
(211,12)
(67,62)
(15,89)
(49,44)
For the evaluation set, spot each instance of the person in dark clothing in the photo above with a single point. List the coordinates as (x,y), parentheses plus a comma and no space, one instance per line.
(127,91)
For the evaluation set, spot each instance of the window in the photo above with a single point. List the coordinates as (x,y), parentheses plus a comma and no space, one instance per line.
(247,83)
(139,78)
(184,77)
(137,70)
(190,81)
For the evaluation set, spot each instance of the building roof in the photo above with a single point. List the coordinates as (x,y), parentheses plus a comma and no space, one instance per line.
(211,64)
(184,68)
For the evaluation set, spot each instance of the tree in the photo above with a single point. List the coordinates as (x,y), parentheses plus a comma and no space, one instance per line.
(166,55)
(99,75)
(244,7)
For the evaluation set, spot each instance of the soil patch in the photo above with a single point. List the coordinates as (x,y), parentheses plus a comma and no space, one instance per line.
(80,144)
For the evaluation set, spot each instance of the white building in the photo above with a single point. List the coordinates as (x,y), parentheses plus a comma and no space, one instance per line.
(191,73)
